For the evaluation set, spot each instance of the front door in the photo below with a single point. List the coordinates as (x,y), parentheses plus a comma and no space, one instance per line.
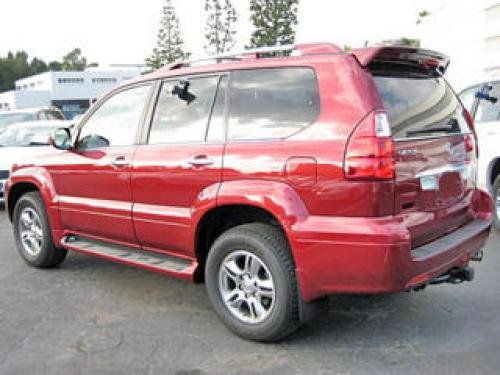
(93,179)
(180,166)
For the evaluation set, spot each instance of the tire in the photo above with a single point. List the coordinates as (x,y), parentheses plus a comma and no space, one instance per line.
(271,264)
(496,203)
(30,216)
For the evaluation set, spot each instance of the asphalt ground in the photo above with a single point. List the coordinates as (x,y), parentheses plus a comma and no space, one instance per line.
(90,316)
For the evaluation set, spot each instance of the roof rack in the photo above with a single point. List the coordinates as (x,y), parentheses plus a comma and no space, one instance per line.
(294,49)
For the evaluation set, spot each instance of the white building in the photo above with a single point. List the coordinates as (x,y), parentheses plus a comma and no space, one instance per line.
(492,40)
(72,91)
(468,32)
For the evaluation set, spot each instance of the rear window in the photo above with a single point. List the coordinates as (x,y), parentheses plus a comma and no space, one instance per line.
(421,107)
(272,103)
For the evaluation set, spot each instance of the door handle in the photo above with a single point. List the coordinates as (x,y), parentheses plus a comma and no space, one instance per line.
(120,162)
(200,161)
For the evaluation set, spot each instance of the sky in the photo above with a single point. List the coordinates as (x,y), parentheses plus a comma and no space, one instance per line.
(124,32)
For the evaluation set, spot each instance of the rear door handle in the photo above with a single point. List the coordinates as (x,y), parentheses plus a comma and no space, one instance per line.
(120,162)
(200,161)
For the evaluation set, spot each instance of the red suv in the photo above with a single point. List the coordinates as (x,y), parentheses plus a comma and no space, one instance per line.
(276,180)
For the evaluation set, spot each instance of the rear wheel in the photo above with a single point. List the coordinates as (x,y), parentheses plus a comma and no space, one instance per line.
(251,282)
(32,233)
(496,203)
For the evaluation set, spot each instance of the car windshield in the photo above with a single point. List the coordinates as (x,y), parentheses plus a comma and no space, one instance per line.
(7,119)
(20,136)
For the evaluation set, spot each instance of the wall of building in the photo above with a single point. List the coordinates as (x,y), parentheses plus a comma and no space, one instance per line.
(492,40)
(468,32)
(71,91)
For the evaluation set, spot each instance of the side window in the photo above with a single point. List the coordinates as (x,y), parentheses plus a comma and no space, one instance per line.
(217,125)
(116,121)
(488,111)
(468,97)
(272,103)
(53,115)
(183,110)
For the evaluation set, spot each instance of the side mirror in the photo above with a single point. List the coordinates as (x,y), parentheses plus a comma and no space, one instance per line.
(485,96)
(61,139)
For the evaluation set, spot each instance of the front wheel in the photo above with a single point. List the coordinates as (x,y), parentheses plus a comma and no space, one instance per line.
(496,203)
(32,233)
(251,282)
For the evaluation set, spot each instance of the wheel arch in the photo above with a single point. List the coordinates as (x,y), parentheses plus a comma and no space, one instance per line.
(29,179)
(493,172)
(273,203)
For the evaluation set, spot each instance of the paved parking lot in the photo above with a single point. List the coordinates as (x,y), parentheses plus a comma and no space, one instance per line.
(94,317)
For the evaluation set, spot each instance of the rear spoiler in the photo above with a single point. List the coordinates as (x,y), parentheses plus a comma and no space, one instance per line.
(418,58)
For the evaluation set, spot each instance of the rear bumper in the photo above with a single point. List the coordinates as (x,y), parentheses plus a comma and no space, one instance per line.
(374,255)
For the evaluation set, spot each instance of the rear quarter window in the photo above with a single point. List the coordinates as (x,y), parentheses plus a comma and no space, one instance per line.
(272,103)
(421,107)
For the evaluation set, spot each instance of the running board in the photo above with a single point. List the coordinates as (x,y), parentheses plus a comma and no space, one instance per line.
(149,260)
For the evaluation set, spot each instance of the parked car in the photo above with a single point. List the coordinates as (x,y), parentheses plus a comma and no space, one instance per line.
(276,181)
(483,102)
(15,140)
(30,114)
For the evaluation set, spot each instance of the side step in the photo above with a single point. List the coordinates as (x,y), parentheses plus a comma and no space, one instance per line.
(128,255)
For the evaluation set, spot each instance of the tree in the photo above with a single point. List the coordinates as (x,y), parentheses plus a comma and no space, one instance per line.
(405,42)
(421,15)
(219,30)
(274,22)
(18,65)
(170,46)
(74,60)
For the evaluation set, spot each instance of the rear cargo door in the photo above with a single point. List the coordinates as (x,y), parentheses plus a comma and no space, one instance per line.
(434,153)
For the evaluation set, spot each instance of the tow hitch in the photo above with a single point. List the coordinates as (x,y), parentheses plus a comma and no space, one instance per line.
(455,276)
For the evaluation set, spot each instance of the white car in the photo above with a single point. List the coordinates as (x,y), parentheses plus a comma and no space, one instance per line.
(22,141)
(29,114)
(483,102)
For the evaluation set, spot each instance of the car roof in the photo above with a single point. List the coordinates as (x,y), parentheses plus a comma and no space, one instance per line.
(40,124)
(481,83)
(29,110)
(248,59)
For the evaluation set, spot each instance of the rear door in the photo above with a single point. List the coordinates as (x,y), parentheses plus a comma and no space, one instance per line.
(434,152)
(179,167)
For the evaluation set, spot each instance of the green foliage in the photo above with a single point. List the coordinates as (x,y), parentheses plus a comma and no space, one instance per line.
(219,30)
(274,22)
(421,15)
(18,65)
(169,46)
(408,42)
(74,60)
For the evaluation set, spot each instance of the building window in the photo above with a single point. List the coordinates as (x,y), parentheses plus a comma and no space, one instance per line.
(104,80)
(70,80)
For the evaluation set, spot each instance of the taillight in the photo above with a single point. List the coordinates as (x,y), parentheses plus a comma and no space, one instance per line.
(370,150)
(471,141)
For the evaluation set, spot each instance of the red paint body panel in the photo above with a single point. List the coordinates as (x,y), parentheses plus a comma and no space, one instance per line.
(168,192)
(345,236)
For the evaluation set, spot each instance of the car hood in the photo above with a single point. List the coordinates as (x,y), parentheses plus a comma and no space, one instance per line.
(20,155)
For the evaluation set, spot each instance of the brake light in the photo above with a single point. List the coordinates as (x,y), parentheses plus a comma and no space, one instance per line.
(370,150)
(471,141)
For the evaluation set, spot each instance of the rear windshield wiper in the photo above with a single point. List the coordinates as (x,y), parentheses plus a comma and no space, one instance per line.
(431,130)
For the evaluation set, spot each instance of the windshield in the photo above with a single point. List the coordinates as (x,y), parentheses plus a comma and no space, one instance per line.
(16,136)
(421,107)
(11,118)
